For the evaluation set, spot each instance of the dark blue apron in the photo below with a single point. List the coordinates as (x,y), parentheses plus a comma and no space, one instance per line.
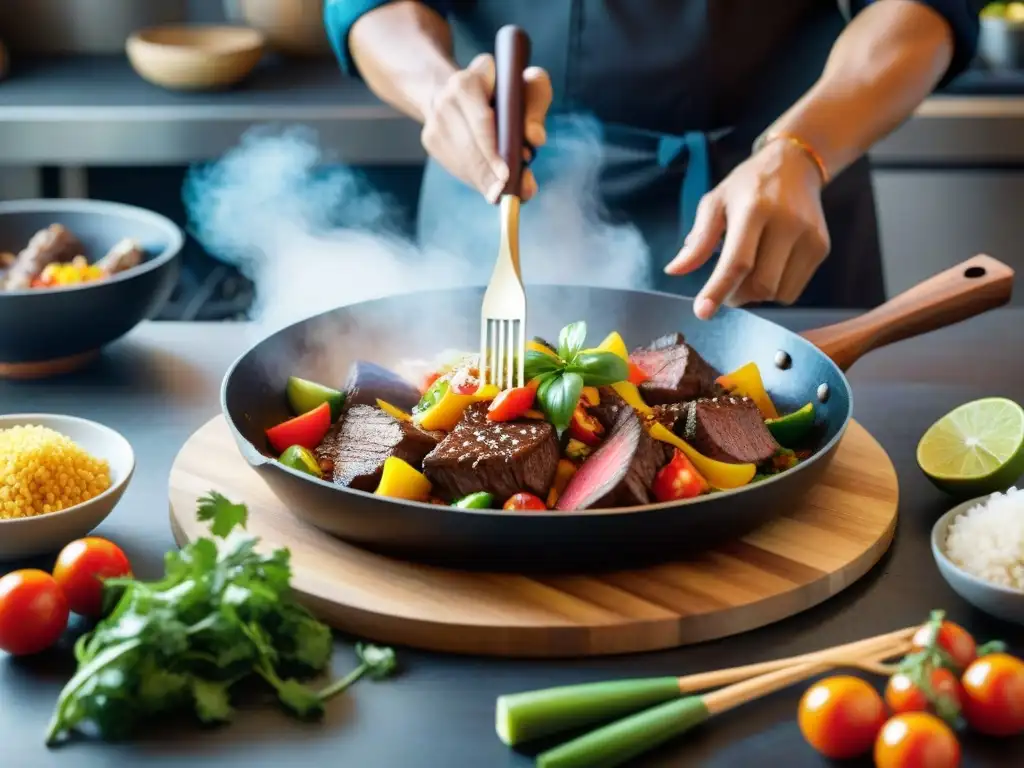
(679,90)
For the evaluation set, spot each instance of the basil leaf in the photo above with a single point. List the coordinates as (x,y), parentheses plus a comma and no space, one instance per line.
(538,363)
(570,340)
(558,397)
(600,368)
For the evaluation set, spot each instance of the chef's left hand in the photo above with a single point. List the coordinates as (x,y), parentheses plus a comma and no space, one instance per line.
(769,211)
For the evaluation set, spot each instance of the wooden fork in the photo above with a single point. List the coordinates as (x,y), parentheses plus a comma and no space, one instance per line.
(503,315)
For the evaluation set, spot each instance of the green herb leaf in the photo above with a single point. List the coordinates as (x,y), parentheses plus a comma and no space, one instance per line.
(558,397)
(212,701)
(538,364)
(570,340)
(599,368)
(222,515)
(380,662)
(301,700)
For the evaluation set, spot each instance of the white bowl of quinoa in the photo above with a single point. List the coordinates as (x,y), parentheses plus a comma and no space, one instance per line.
(60,476)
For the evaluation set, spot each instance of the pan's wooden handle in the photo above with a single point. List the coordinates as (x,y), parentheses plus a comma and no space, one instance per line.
(511,57)
(968,289)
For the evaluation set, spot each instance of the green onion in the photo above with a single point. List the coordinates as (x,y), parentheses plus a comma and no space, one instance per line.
(530,715)
(625,739)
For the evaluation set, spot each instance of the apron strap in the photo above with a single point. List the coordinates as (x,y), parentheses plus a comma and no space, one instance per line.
(697,177)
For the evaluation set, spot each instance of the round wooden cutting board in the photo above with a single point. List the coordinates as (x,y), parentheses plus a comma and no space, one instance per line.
(839,531)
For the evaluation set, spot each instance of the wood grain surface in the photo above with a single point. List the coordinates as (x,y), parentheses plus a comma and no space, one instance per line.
(838,532)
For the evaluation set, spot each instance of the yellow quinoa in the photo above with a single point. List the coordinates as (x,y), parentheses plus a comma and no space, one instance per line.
(43,471)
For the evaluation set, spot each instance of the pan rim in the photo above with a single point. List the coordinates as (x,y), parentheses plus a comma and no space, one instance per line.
(275,465)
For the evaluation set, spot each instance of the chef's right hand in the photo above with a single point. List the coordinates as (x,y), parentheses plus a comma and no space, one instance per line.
(459,128)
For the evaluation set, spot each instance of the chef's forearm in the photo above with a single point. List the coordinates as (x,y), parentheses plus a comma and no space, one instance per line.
(884,64)
(403,51)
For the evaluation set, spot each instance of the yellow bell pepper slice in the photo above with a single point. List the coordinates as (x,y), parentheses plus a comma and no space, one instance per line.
(563,474)
(612,343)
(719,474)
(590,396)
(400,480)
(746,381)
(533,413)
(393,410)
(631,395)
(536,346)
(447,411)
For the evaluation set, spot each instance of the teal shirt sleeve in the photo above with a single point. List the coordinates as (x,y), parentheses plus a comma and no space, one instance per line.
(340,15)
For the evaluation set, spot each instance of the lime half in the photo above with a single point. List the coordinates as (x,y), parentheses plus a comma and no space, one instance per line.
(975,449)
(791,429)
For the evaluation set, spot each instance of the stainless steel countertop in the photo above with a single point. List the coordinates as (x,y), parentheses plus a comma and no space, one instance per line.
(97,111)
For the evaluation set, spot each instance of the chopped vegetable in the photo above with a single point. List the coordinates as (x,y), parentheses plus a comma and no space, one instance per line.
(306,430)
(541,346)
(400,480)
(465,381)
(563,474)
(432,395)
(631,395)
(445,413)
(678,480)
(590,396)
(746,381)
(33,612)
(585,427)
(841,716)
(533,413)
(916,740)
(73,272)
(637,375)
(793,428)
(478,500)
(222,615)
(305,395)
(393,411)
(993,687)
(512,403)
(613,343)
(81,568)
(718,474)
(577,450)
(429,380)
(522,502)
(301,459)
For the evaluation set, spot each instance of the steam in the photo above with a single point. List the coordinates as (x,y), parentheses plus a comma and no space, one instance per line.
(314,235)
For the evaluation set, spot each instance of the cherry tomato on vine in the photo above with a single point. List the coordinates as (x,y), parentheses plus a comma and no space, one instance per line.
(81,567)
(33,612)
(916,740)
(840,716)
(902,694)
(994,695)
(951,638)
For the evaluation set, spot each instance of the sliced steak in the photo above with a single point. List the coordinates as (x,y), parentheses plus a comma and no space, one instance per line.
(729,429)
(608,409)
(677,372)
(368,381)
(353,451)
(502,458)
(620,472)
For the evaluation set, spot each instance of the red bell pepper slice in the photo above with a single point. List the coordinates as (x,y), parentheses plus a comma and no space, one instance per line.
(678,480)
(585,428)
(306,430)
(637,375)
(523,502)
(511,403)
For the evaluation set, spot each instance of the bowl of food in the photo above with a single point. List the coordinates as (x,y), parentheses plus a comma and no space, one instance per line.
(196,57)
(76,275)
(979,548)
(1001,36)
(60,477)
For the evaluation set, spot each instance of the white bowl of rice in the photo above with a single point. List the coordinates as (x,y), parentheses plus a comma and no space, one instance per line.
(979,548)
(60,477)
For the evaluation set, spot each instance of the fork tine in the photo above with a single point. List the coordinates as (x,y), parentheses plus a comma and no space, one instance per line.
(511,329)
(521,348)
(482,360)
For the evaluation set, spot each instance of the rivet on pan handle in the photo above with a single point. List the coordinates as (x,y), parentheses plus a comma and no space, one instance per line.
(968,289)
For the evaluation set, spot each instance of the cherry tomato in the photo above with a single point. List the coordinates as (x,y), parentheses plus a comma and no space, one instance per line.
(306,430)
(524,502)
(916,740)
(994,695)
(678,479)
(952,638)
(637,375)
(841,716)
(33,612)
(511,404)
(585,428)
(903,695)
(465,381)
(428,381)
(81,567)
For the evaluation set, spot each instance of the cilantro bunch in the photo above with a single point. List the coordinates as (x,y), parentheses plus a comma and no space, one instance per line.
(222,615)
(564,373)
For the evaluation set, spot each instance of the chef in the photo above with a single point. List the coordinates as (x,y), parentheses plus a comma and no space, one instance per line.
(740,126)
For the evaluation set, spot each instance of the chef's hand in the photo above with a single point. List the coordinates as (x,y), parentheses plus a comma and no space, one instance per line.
(769,211)
(459,130)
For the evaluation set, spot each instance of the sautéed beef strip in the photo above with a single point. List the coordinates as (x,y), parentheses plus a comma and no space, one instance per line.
(47,246)
(502,458)
(608,409)
(677,371)
(729,429)
(354,450)
(125,255)
(368,381)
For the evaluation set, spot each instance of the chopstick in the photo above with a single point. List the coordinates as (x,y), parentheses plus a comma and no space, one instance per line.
(624,739)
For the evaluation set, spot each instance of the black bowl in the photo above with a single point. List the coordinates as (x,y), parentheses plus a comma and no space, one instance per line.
(55,327)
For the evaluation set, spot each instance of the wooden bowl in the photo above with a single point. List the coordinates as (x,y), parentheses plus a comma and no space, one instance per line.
(195,58)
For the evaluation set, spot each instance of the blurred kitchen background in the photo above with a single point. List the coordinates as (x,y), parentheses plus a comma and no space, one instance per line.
(76,120)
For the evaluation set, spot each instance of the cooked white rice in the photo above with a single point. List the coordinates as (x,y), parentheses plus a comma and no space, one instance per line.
(987,540)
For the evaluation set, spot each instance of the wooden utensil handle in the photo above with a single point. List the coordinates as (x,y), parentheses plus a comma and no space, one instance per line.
(968,289)
(511,57)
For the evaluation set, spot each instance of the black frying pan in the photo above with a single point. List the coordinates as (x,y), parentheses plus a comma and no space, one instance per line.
(416,326)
